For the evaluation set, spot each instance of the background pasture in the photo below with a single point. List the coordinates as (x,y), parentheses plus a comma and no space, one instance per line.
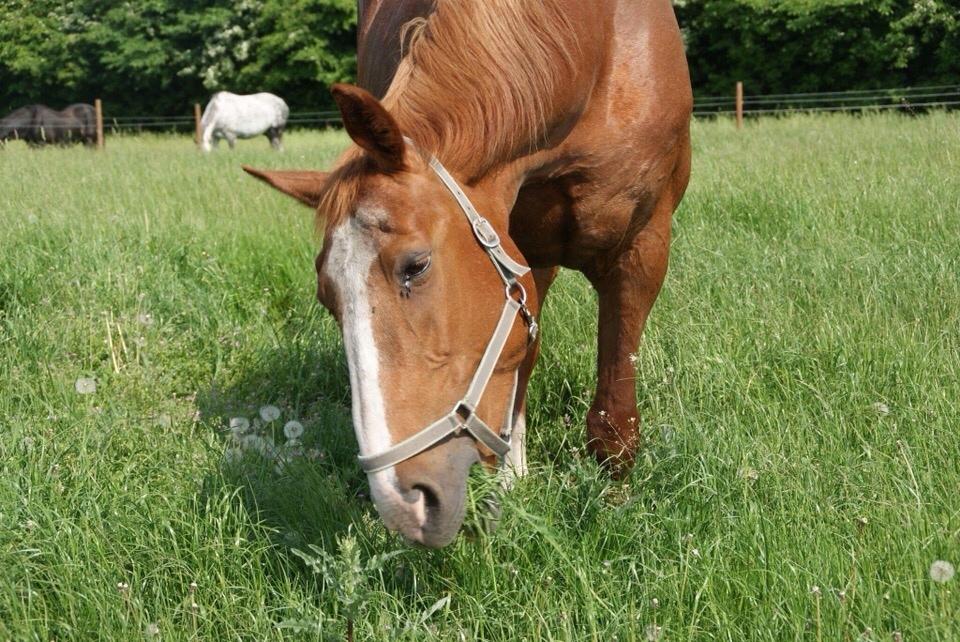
(799,381)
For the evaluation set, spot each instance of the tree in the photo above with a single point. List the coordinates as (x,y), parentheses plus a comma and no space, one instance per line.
(156,57)
(820,45)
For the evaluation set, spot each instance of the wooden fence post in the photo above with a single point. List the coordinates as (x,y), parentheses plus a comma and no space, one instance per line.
(197,132)
(739,104)
(98,108)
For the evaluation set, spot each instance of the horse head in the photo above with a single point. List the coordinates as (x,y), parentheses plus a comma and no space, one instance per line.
(419,298)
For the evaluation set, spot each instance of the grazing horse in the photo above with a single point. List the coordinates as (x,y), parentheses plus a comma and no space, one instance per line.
(39,125)
(513,133)
(233,116)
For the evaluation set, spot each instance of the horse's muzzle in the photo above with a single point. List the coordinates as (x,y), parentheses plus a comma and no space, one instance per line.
(423,498)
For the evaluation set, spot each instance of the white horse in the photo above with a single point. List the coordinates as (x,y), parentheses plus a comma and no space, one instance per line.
(232,116)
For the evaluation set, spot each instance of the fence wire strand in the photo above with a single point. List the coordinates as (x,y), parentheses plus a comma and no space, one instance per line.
(854,100)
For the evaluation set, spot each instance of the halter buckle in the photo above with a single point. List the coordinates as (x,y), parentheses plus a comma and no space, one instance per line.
(486,235)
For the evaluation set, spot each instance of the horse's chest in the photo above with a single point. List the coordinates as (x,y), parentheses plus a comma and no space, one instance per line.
(564,222)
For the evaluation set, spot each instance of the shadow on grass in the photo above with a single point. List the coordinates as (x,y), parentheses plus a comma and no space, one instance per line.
(321,491)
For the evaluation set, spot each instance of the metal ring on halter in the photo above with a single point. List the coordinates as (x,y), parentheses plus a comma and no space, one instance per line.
(516,285)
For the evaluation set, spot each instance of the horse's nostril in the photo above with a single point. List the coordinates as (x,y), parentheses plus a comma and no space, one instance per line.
(430,499)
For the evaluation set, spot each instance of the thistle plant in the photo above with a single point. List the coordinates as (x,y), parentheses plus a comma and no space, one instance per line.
(346,575)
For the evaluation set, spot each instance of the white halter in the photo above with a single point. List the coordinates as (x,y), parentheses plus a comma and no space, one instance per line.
(463,416)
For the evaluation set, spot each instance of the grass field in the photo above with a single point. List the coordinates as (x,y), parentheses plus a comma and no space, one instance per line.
(799,384)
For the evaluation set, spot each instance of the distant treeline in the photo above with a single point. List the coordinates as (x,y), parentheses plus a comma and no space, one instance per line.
(789,46)
(157,57)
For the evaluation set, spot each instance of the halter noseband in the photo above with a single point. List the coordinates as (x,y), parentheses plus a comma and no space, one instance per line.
(463,416)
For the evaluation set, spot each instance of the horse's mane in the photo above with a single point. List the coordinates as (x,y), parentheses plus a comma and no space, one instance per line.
(474,87)
(478,78)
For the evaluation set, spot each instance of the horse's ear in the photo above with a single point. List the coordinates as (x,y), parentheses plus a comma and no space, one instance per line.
(303,185)
(370,126)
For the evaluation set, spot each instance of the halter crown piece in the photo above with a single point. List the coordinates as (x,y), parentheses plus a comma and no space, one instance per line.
(463,416)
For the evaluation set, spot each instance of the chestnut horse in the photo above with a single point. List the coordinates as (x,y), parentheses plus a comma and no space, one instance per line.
(511,133)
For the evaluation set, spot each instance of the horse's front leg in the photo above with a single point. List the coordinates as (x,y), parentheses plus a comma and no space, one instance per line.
(627,290)
(275,135)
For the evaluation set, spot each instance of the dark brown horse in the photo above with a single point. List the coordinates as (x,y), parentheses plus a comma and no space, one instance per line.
(540,132)
(39,125)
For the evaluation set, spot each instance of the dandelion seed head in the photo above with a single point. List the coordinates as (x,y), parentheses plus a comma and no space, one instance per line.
(815,590)
(293,430)
(749,474)
(652,632)
(85,385)
(239,425)
(941,571)
(151,630)
(881,409)
(269,413)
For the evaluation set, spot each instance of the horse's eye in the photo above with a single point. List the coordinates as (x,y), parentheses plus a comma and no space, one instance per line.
(416,267)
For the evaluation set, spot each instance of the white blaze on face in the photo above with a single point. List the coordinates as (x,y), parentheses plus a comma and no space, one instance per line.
(351,256)
(348,268)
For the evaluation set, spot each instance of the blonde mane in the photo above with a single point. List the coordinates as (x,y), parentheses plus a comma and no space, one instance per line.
(478,78)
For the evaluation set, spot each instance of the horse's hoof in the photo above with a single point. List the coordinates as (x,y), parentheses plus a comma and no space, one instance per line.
(612,443)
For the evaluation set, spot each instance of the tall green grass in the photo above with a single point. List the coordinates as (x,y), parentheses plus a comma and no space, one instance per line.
(799,383)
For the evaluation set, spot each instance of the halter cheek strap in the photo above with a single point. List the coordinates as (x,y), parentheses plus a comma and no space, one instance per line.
(463,416)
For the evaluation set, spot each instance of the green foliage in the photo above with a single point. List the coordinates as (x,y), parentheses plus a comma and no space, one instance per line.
(156,57)
(820,45)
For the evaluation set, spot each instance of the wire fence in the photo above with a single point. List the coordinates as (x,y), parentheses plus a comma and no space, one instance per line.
(908,99)
(121,124)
